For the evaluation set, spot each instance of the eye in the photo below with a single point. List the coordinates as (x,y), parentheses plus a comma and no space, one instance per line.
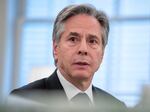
(93,41)
(73,39)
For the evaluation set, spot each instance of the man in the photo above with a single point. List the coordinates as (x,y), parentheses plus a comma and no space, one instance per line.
(80,35)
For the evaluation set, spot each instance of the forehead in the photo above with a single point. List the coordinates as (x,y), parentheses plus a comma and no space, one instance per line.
(83,23)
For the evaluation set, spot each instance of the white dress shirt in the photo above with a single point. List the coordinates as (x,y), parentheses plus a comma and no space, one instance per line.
(71,90)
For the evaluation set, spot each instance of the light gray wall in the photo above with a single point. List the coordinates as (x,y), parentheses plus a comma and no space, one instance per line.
(2,40)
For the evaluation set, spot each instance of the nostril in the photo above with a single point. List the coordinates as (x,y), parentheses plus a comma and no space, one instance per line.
(82,52)
(79,52)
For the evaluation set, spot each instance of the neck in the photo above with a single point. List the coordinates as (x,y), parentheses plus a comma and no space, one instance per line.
(81,84)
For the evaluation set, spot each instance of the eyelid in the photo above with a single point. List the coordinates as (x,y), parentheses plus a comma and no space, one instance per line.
(72,36)
(95,39)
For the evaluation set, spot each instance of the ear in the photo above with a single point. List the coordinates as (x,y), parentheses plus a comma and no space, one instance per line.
(55,50)
(103,50)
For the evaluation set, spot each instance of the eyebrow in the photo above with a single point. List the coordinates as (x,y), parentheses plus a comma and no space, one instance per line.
(77,34)
(93,36)
(74,34)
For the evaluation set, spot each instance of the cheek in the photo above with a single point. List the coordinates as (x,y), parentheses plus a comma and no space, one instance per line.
(98,58)
(65,55)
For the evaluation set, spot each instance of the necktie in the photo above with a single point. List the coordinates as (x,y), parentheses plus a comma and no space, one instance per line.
(81,99)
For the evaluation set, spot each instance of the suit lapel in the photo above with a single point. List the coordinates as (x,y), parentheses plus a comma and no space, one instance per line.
(94,94)
(98,96)
(53,84)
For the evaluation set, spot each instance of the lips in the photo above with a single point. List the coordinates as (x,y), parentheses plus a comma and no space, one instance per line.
(81,63)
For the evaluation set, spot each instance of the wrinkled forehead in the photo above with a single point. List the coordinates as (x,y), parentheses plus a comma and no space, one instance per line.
(83,23)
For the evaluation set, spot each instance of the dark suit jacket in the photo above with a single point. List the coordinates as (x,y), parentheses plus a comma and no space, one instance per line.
(51,86)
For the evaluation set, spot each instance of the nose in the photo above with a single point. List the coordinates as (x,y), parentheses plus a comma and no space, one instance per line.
(83,50)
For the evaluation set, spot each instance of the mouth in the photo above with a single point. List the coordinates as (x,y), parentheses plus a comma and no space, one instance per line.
(81,63)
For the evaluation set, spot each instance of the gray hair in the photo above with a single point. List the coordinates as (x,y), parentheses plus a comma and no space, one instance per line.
(73,10)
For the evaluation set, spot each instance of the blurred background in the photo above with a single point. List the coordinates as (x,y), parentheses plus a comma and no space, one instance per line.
(26,45)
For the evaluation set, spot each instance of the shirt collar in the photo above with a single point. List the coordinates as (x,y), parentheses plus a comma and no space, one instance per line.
(71,90)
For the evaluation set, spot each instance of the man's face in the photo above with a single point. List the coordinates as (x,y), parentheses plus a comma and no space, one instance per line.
(79,51)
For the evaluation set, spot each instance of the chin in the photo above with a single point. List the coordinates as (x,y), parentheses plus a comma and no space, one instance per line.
(81,75)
